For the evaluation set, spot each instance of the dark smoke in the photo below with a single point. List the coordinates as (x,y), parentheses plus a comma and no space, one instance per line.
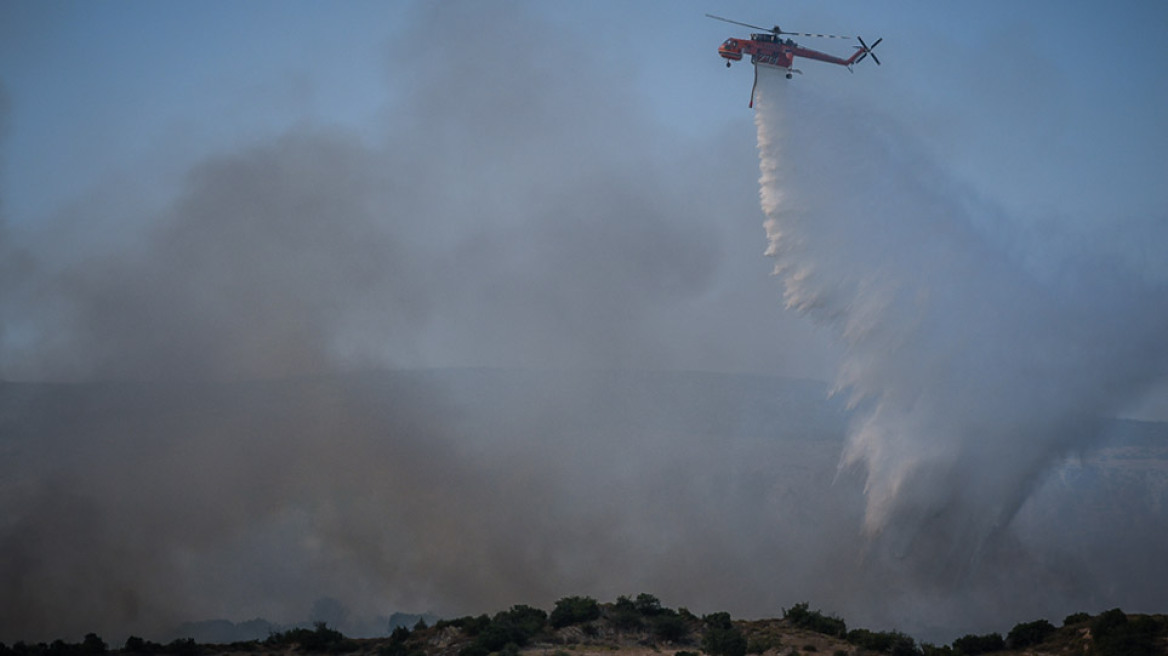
(498,218)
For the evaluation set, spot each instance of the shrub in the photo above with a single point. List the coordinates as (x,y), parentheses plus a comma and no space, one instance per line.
(136,645)
(93,644)
(61,648)
(722,638)
(523,621)
(647,605)
(321,639)
(972,645)
(1115,634)
(760,644)
(574,610)
(1028,634)
(813,620)
(182,647)
(400,635)
(885,642)
(398,644)
(510,627)
(1076,618)
(670,627)
(472,626)
(623,614)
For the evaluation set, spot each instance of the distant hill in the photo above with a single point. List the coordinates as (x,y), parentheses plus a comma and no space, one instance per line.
(641,626)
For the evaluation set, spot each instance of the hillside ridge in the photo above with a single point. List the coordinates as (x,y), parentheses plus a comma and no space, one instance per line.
(641,626)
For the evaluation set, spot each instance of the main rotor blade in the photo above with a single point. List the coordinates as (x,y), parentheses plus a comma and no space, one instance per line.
(727,20)
(776,29)
(822,36)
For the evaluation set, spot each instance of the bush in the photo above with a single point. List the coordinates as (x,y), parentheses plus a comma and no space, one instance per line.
(972,645)
(93,644)
(647,605)
(1076,618)
(761,644)
(497,636)
(574,610)
(523,621)
(1115,634)
(885,642)
(722,638)
(472,626)
(718,620)
(623,615)
(1028,634)
(510,627)
(321,639)
(669,627)
(813,620)
(182,647)
(400,635)
(398,644)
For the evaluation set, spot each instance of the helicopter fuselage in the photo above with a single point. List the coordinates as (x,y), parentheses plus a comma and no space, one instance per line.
(773,50)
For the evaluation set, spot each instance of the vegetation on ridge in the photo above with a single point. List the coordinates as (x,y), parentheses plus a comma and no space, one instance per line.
(641,626)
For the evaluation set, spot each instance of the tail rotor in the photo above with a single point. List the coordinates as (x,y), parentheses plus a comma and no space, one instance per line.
(867,50)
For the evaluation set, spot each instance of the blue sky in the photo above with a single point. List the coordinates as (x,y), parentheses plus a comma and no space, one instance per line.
(1051,106)
(1053,111)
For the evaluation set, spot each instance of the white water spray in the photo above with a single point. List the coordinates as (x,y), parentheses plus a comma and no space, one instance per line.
(973,372)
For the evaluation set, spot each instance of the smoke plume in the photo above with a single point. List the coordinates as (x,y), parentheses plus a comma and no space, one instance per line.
(976,362)
(189,443)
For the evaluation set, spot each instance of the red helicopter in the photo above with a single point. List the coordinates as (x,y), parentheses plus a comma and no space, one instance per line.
(771,49)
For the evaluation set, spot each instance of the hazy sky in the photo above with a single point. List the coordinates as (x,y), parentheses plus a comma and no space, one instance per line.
(1053,111)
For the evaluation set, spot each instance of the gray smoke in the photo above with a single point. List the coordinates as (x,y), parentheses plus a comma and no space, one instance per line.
(498,217)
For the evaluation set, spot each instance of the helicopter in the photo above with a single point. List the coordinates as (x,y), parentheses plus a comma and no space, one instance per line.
(769,48)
